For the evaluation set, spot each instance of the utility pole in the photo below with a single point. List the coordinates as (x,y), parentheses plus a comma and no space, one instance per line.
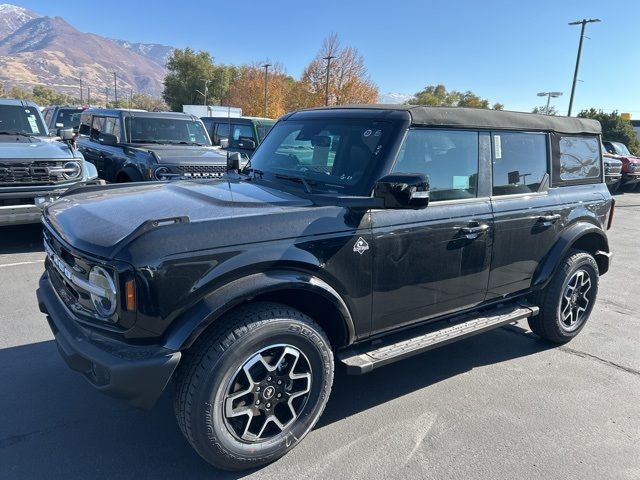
(115,90)
(130,98)
(266,70)
(549,95)
(80,90)
(328,58)
(106,96)
(206,89)
(582,22)
(89,96)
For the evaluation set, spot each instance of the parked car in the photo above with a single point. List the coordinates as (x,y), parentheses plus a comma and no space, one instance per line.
(394,230)
(58,116)
(241,135)
(630,164)
(612,170)
(134,146)
(34,169)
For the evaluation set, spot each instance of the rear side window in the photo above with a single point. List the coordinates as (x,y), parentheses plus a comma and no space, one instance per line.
(577,160)
(519,162)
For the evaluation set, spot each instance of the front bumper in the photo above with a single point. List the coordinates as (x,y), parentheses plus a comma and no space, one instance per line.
(612,178)
(630,178)
(137,374)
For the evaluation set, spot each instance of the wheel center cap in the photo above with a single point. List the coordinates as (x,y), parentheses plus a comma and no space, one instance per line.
(268,392)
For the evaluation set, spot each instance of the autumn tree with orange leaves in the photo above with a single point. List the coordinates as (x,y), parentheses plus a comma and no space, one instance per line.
(349,81)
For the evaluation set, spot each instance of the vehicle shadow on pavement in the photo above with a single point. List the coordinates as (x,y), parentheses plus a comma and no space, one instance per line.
(21,239)
(354,394)
(54,425)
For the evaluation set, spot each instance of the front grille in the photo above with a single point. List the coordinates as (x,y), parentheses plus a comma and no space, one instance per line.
(32,172)
(612,169)
(201,170)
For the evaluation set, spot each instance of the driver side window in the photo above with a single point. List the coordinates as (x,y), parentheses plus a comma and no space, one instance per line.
(448,157)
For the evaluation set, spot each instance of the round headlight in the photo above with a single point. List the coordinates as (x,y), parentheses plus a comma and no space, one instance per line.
(105,302)
(160,172)
(72,170)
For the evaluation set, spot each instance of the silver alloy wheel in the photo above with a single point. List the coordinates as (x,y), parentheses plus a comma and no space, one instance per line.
(267,394)
(575,300)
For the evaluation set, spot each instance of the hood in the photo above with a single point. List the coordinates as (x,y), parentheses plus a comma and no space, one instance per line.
(101,221)
(35,149)
(185,154)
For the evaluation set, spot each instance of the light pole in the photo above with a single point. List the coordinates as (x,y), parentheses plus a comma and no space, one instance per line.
(266,70)
(115,90)
(582,22)
(206,89)
(88,96)
(549,95)
(106,97)
(328,58)
(80,90)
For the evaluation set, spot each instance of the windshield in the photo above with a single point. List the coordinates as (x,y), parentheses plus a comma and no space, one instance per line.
(621,148)
(166,130)
(335,155)
(21,119)
(68,117)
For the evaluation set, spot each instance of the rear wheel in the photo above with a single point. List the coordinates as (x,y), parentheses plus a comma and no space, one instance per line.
(566,303)
(253,386)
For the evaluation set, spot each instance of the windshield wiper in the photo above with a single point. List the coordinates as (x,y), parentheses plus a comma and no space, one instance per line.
(16,132)
(187,143)
(301,180)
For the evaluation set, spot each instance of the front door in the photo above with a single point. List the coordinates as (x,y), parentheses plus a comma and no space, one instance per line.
(435,260)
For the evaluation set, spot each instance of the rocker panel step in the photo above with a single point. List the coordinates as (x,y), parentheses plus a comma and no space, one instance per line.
(363,359)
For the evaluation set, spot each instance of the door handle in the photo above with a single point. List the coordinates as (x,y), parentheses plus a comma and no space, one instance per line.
(474,231)
(548,220)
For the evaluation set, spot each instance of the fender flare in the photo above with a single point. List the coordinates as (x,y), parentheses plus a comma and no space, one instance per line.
(187,328)
(568,238)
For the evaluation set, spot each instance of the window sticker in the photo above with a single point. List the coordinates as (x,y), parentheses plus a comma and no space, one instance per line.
(461,182)
(498,147)
(32,123)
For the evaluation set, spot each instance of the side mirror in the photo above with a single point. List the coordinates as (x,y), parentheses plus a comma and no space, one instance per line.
(65,134)
(233,161)
(108,139)
(403,190)
(224,143)
(247,144)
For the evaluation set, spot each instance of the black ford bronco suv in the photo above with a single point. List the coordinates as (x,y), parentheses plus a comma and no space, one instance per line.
(357,235)
(134,145)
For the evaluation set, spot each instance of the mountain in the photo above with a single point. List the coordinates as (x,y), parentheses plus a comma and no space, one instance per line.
(13,17)
(394,98)
(48,51)
(155,52)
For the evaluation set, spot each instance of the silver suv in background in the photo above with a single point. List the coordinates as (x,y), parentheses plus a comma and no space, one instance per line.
(35,167)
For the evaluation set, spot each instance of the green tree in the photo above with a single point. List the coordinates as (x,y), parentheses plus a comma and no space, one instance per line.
(614,128)
(439,96)
(188,71)
(543,110)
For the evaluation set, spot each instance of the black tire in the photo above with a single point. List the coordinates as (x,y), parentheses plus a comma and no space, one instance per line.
(550,323)
(613,188)
(213,366)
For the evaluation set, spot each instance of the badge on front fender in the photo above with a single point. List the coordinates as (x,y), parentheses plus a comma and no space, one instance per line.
(360,246)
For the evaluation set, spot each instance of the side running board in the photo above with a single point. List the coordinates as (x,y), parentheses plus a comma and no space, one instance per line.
(363,359)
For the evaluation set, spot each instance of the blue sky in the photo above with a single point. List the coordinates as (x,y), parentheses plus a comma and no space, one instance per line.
(506,51)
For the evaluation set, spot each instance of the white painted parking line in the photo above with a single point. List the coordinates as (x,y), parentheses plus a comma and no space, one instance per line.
(20,263)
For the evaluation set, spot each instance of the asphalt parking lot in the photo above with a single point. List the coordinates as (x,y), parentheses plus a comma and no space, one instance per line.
(499,405)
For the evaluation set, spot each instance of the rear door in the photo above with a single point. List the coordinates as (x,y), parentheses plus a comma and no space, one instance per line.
(435,260)
(527,214)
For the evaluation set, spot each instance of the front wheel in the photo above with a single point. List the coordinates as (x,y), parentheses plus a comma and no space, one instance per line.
(566,303)
(253,386)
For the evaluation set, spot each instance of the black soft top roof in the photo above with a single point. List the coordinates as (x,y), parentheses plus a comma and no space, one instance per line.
(482,118)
